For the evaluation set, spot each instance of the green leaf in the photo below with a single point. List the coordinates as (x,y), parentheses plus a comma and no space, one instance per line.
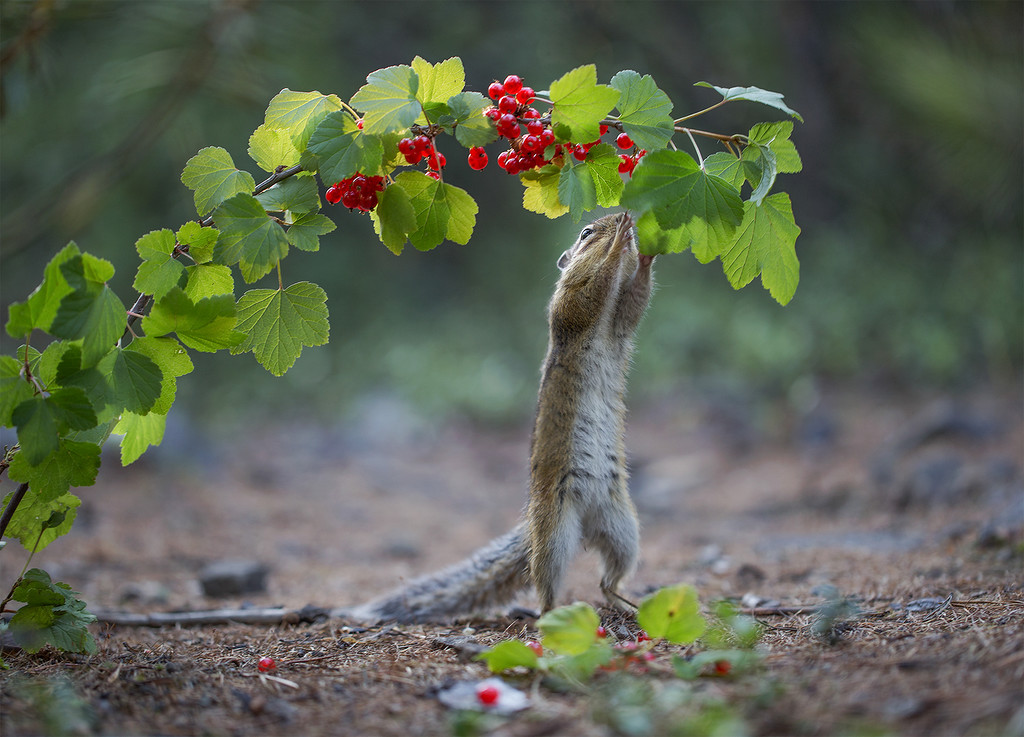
(38,311)
(37,522)
(672,185)
(394,218)
(603,162)
(200,241)
(508,654)
(279,324)
(754,94)
(212,175)
(92,312)
(135,380)
(388,100)
(776,136)
(581,104)
(580,668)
(52,615)
(72,464)
(569,630)
(272,147)
(159,270)
(727,166)
(207,325)
(299,113)
(438,82)
(765,244)
(171,359)
(576,189)
(248,237)
(442,210)
(296,194)
(140,432)
(14,389)
(208,280)
(760,169)
(42,420)
(342,149)
(472,128)
(645,111)
(541,193)
(304,233)
(654,240)
(672,613)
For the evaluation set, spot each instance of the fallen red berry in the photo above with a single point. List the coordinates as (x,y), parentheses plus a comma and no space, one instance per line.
(266,664)
(536,647)
(642,636)
(601,632)
(722,667)
(487,695)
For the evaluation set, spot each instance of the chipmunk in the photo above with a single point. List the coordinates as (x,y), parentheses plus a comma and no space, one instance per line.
(578,479)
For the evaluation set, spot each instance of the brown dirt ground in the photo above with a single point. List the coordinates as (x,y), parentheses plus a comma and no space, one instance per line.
(890,500)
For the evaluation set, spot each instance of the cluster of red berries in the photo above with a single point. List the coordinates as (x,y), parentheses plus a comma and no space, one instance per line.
(357,192)
(421,147)
(510,112)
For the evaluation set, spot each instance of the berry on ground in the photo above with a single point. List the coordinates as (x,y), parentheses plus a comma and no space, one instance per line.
(265,664)
(536,647)
(487,695)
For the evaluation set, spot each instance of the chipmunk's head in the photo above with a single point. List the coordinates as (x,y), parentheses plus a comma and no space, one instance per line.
(597,241)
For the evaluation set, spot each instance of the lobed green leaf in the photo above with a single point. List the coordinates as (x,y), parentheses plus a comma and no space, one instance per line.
(272,147)
(41,420)
(249,237)
(208,280)
(207,325)
(776,136)
(644,110)
(38,311)
(279,323)
(298,195)
(509,654)
(471,126)
(442,210)
(159,271)
(305,231)
(765,245)
(212,175)
(580,103)
(541,193)
(394,218)
(672,613)
(200,241)
(139,432)
(14,388)
(343,150)
(299,113)
(754,94)
(569,630)
(388,100)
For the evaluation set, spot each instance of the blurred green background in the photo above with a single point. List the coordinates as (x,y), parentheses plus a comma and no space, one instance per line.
(910,200)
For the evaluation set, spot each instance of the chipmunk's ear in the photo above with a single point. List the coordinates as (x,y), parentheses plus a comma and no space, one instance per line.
(563,260)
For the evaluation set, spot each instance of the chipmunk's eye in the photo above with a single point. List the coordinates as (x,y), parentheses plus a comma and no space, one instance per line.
(586,233)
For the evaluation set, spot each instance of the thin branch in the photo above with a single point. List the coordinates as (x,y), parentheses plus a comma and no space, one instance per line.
(11,507)
(701,112)
(272,615)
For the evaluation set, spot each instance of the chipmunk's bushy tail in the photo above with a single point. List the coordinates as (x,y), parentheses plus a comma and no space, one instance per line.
(489,578)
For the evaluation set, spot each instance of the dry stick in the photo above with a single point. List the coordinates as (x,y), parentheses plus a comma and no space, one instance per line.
(9,510)
(275,615)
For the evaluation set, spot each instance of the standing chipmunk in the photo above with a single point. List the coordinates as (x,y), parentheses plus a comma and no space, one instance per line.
(578,480)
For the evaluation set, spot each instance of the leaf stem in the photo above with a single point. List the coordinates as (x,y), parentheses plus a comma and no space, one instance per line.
(700,112)
(12,507)
(700,159)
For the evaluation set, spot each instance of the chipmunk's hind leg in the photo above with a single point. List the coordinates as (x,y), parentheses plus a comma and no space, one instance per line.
(615,533)
(550,555)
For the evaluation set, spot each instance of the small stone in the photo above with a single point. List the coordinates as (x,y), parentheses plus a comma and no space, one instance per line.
(233,578)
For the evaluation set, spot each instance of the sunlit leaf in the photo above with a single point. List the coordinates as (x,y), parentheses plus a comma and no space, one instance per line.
(765,245)
(388,99)
(645,111)
(212,175)
(299,113)
(754,94)
(580,103)
(248,237)
(279,323)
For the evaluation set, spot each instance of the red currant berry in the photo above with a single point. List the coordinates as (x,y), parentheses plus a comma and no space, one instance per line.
(503,158)
(265,664)
(434,175)
(413,158)
(508,104)
(487,695)
(508,126)
(642,636)
(423,144)
(604,129)
(547,137)
(535,127)
(350,198)
(626,164)
(536,647)
(436,161)
(601,632)
(406,146)
(531,112)
(722,667)
(624,141)
(512,84)
(368,201)
(530,144)
(477,158)
(492,113)
(579,152)
(359,124)
(496,90)
(525,95)
(333,194)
